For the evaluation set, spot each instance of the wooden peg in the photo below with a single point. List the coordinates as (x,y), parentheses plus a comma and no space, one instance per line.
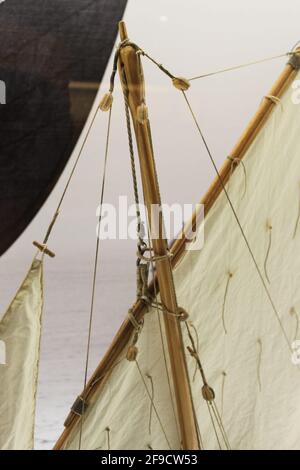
(123,31)
(43,248)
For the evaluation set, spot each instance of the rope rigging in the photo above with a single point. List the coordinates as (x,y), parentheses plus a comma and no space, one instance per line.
(105,105)
(183,84)
(258,270)
(208,395)
(152,403)
(241,66)
(95,271)
(43,246)
(144,262)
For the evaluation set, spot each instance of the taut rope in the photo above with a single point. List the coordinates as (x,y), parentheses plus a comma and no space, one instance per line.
(209,395)
(183,85)
(152,403)
(43,246)
(95,274)
(240,66)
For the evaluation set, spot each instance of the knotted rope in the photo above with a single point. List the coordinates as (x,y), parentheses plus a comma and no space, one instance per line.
(208,395)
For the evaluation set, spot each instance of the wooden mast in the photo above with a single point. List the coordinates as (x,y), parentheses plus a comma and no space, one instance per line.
(133,84)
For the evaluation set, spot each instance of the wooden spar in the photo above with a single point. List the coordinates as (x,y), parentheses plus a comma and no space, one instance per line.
(121,339)
(132,80)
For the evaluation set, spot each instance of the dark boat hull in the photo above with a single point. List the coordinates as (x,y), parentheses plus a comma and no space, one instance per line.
(52,58)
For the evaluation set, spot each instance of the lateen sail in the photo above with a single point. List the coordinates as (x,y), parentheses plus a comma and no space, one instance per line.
(20,330)
(243,346)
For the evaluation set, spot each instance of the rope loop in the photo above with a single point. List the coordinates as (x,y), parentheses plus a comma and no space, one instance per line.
(273,99)
(132,350)
(181,314)
(137,325)
(153,258)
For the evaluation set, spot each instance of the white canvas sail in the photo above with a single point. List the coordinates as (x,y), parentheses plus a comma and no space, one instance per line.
(20,330)
(243,346)
(120,415)
(250,367)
